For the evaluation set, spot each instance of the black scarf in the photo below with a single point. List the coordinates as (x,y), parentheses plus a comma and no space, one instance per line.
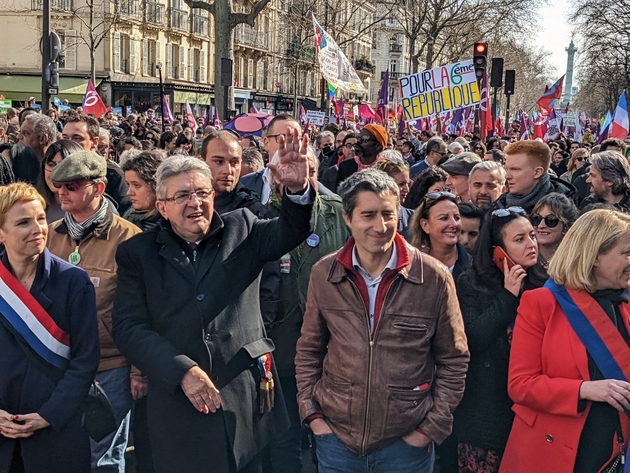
(528,201)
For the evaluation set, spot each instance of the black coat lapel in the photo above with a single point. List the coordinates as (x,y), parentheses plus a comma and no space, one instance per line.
(173,253)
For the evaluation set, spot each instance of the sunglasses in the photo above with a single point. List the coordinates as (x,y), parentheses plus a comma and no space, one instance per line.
(73,186)
(438,195)
(550,220)
(502,213)
(580,159)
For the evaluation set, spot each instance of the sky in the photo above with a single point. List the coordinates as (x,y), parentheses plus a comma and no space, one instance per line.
(554,34)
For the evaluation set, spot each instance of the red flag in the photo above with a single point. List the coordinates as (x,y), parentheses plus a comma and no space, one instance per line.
(541,125)
(92,102)
(551,97)
(485,112)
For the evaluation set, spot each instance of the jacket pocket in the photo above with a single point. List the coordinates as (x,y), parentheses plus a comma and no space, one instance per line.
(410,326)
(335,398)
(259,347)
(526,414)
(406,410)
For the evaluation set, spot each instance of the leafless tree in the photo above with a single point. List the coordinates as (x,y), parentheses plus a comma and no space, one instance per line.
(226,19)
(604,66)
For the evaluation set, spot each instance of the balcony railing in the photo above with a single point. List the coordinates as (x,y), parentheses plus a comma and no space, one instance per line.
(55,5)
(395,48)
(126,8)
(364,65)
(200,25)
(247,36)
(392,75)
(297,51)
(179,19)
(154,13)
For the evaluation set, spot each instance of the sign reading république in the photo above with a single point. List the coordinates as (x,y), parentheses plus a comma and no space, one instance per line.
(438,90)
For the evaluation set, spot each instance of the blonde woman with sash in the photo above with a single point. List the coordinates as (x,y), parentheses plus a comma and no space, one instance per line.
(48,343)
(570,359)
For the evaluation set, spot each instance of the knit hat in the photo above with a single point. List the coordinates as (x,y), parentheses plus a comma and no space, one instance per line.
(378,132)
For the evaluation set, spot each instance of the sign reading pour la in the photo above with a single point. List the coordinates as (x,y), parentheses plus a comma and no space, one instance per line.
(438,90)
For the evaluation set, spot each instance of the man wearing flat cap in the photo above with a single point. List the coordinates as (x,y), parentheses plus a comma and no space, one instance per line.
(88,237)
(458,168)
(372,140)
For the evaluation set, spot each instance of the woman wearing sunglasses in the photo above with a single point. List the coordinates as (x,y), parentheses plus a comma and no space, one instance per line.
(489,294)
(578,159)
(552,217)
(479,149)
(435,228)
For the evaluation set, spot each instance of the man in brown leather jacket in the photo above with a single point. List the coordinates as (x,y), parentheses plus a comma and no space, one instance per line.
(382,359)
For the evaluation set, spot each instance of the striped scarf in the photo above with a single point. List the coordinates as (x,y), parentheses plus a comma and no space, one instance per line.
(78,230)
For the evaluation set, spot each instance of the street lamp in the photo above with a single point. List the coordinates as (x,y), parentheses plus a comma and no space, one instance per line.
(158,66)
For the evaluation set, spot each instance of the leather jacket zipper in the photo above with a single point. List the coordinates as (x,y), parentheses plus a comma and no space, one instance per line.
(371,337)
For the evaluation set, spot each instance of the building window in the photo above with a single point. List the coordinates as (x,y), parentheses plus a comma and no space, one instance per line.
(68,57)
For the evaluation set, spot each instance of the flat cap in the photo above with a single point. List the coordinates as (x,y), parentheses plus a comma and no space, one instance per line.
(78,166)
(461,164)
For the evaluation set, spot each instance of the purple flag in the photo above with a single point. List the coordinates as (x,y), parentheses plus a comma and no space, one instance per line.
(253,109)
(383,99)
(166,110)
(217,120)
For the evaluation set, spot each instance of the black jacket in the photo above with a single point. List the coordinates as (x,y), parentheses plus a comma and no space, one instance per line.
(484,417)
(173,311)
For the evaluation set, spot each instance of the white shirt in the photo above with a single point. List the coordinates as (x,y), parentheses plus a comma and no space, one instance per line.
(373,283)
(266,189)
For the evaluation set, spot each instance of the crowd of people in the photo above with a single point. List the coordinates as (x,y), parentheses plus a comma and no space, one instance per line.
(394,303)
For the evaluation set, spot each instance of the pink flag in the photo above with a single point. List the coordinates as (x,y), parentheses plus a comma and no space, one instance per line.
(253,109)
(92,102)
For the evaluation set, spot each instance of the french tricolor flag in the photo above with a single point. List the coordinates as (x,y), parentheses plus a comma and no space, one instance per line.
(621,125)
(28,319)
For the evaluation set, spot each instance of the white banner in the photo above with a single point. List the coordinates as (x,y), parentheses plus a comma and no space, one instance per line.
(333,63)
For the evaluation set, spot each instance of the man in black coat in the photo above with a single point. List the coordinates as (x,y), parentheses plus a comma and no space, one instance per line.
(187,314)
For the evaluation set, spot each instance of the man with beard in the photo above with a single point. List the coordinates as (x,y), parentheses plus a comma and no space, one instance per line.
(487,183)
(609,178)
(371,141)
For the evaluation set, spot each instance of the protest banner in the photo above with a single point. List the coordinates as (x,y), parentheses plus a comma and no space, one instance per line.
(333,63)
(438,90)
(315,118)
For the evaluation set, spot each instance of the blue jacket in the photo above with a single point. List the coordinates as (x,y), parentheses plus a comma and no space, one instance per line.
(67,294)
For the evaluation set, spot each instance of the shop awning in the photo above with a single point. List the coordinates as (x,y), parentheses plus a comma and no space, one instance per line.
(21,87)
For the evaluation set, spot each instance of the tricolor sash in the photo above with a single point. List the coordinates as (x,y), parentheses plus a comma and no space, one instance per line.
(598,334)
(31,324)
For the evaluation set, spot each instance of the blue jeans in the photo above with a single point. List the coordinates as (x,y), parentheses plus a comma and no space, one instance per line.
(397,457)
(108,455)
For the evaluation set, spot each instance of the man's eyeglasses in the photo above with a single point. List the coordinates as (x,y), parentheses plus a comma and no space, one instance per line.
(349,145)
(439,195)
(281,134)
(73,186)
(501,213)
(183,197)
(550,220)
(441,153)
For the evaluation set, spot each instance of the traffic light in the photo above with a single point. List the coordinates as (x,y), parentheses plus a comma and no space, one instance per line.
(480,59)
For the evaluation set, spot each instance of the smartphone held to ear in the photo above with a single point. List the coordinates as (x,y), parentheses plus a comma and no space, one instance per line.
(499,255)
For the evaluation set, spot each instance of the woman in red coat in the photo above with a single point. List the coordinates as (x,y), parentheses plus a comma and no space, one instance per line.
(569,415)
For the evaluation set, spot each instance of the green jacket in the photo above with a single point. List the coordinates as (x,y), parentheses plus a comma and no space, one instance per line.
(332,233)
